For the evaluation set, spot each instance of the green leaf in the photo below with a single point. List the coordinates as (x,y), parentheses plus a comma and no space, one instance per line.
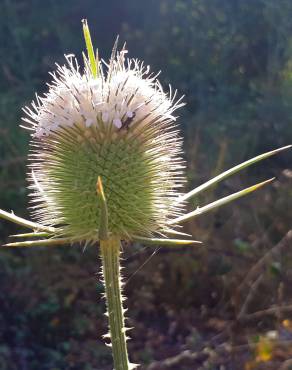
(167,242)
(241,245)
(40,243)
(230,172)
(218,203)
(30,235)
(23,222)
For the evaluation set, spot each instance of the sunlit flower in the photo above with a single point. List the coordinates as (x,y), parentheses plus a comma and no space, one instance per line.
(119,125)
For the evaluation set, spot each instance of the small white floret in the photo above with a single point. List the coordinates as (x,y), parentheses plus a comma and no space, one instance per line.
(117,122)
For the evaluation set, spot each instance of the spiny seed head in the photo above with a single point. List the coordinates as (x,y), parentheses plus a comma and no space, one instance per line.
(118,126)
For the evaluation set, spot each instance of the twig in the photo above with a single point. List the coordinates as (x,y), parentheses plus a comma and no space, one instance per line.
(251,293)
(252,278)
(175,361)
(269,311)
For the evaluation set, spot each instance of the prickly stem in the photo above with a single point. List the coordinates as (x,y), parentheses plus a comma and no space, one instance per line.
(110,255)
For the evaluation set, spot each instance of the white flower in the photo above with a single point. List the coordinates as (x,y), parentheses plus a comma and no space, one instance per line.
(126,95)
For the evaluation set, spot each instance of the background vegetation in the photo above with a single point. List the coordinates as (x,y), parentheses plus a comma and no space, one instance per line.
(226,305)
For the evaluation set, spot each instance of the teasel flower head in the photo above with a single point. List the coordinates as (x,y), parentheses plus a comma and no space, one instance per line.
(119,125)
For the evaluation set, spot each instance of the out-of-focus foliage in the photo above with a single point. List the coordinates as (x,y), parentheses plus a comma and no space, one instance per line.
(233,61)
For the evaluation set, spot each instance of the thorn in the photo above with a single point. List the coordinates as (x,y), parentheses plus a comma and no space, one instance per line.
(106,336)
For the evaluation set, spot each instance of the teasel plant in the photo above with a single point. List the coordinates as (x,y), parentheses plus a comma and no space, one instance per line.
(106,165)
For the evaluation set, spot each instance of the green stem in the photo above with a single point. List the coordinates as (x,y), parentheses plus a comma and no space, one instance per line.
(110,254)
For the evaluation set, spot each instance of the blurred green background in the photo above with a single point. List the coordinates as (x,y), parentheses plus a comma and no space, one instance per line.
(233,61)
